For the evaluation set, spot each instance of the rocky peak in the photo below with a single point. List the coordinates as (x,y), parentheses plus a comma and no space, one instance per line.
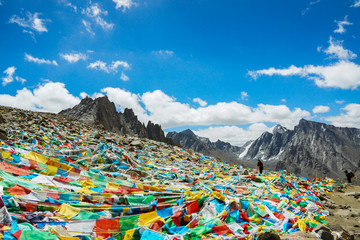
(188,132)
(279,129)
(129,114)
(102,111)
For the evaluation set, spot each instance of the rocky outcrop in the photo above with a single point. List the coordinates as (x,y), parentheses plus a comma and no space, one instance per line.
(102,112)
(312,149)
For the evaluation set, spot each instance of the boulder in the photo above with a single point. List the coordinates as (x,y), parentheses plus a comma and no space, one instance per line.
(268,236)
(2,119)
(3,134)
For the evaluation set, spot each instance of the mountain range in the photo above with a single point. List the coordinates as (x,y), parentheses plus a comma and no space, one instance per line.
(312,149)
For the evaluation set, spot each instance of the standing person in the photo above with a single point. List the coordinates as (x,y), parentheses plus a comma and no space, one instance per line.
(260,165)
(349,175)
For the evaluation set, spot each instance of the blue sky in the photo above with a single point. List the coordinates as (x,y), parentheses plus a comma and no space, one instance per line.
(228,70)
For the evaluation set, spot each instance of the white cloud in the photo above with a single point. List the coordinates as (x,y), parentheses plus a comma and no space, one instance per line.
(341,25)
(115,64)
(163,53)
(348,119)
(88,27)
(124,77)
(49,97)
(339,101)
(200,102)
(234,135)
(9,78)
(356,3)
(244,95)
(32,21)
(165,110)
(100,65)
(283,100)
(336,50)
(73,57)
(343,74)
(96,14)
(19,79)
(83,95)
(30,58)
(9,75)
(170,113)
(124,4)
(321,109)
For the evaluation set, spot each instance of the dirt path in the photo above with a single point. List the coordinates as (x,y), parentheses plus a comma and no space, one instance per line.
(344,207)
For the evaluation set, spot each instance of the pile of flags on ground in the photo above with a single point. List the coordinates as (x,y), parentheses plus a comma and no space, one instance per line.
(59,180)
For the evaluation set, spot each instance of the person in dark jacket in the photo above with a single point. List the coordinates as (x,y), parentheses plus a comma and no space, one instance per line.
(349,175)
(260,165)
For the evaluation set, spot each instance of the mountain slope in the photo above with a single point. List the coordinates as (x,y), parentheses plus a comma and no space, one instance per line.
(222,150)
(312,149)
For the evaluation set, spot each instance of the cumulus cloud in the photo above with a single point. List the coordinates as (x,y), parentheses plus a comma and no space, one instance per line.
(234,135)
(343,74)
(9,76)
(100,65)
(48,97)
(124,4)
(348,119)
(336,50)
(30,58)
(171,113)
(341,24)
(200,102)
(356,3)
(244,95)
(31,21)
(163,53)
(124,77)
(95,13)
(165,110)
(73,57)
(321,109)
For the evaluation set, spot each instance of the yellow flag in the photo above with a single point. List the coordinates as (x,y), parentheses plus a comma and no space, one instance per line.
(148,218)
(112,186)
(51,170)
(6,155)
(36,157)
(129,234)
(68,211)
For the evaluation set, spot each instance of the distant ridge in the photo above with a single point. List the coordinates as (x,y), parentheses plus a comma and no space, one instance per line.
(101,111)
(219,149)
(312,149)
